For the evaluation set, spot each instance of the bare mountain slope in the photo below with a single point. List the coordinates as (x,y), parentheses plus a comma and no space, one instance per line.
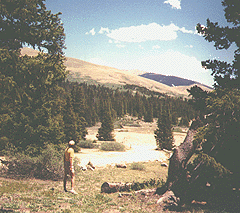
(107,75)
(82,71)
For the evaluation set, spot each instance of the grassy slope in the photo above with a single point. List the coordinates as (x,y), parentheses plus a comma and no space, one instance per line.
(82,71)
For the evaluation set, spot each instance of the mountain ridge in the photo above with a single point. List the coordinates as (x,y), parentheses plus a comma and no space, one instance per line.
(82,71)
(171,80)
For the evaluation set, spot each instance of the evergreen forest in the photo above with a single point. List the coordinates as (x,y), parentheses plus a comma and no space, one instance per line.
(32,124)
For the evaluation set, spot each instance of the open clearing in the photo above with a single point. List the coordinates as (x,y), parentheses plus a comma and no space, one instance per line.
(139,141)
(33,195)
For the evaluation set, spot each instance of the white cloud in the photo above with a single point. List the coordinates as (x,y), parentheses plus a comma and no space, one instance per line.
(92,32)
(115,42)
(156,47)
(150,32)
(120,45)
(183,30)
(177,64)
(174,3)
(189,46)
(168,63)
(102,30)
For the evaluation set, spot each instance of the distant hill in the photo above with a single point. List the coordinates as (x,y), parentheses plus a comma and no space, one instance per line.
(171,81)
(82,71)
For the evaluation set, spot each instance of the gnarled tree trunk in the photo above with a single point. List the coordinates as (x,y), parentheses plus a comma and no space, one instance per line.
(177,181)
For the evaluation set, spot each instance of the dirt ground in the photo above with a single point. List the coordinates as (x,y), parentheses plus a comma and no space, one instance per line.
(139,141)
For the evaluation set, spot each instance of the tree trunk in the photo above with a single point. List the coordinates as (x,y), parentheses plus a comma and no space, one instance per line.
(177,181)
(115,187)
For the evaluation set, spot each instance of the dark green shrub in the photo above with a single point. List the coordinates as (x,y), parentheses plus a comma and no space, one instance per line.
(87,144)
(112,146)
(48,165)
(22,165)
(177,129)
(152,183)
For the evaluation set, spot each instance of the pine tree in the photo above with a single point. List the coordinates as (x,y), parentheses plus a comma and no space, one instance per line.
(70,122)
(148,117)
(107,127)
(163,134)
(28,83)
(184,121)
(79,108)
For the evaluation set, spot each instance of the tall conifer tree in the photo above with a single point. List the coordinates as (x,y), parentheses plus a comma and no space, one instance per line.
(107,127)
(70,121)
(163,133)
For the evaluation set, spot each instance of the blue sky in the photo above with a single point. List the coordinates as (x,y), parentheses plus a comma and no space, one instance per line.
(156,36)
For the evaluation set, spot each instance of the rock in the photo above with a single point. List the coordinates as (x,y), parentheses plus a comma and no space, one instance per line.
(90,168)
(164,165)
(3,167)
(121,165)
(91,165)
(84,168)
(168,197)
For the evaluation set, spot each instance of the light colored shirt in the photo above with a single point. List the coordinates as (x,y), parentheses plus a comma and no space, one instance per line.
(69,153)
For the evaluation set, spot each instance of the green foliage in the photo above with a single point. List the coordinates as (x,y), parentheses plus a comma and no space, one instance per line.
(184,122)
(89,144)
(220,112)
(163,133)
(177,129)
(107,126)
(148,117)
(48,165)
(219,138)
(218,178)
(70,122)
(112,146)
(37,107)
(29,89)
(147,184)
(28,22)
(211,170)
(137,166)
(226,75)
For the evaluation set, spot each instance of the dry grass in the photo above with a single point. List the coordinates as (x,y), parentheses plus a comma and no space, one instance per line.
(83,71)
(48,196)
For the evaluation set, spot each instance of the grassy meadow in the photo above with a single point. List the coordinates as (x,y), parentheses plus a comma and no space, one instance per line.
(33,195)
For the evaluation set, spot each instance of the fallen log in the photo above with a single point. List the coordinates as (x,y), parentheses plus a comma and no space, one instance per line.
(115,187)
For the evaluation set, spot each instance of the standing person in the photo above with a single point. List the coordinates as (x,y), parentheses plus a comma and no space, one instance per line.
(68,166)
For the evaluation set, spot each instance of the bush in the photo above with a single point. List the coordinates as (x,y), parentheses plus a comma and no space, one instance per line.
(152,183)
(177,129)
(137,166)
(112,146)
(87,144)
(48,165)
(22,165)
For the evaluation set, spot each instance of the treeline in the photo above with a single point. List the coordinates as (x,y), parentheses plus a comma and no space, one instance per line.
(90,99)
(64,115)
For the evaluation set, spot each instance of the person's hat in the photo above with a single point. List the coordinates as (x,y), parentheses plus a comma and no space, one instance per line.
(71,143)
